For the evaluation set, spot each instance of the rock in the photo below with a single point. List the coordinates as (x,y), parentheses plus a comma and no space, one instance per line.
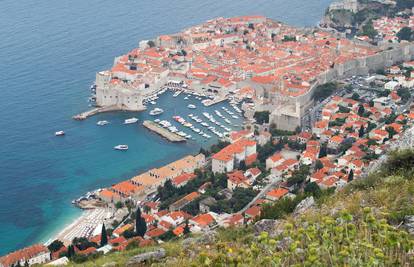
(207,238)
(409,224)
(110,264)
(155,255)
(272,227)
(189,242)
(304,205)
(284,243)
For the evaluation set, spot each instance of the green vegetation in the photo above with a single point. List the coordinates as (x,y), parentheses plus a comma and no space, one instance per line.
(240,198)
(104,236)
(405,34)
(368,30)
(140,224)
(288,38)
(262,117)
(323,91)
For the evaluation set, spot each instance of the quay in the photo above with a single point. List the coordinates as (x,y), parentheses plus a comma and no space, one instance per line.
(216,100)
(172,137)
(89,113)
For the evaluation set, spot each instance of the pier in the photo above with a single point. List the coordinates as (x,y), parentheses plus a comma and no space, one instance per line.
(216,100)
(89,113)
(172,137)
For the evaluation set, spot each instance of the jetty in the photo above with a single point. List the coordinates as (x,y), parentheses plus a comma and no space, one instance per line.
(216,100)
(89,113)
(172,137)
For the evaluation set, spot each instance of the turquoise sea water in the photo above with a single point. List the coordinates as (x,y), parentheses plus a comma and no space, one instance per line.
(49,53)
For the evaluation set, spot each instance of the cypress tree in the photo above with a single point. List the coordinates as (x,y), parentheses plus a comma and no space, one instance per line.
(140,224)
(104,236)
(361,131)
(186,228)
(351,176)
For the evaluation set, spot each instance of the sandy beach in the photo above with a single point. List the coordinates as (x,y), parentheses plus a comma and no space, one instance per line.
(86,225)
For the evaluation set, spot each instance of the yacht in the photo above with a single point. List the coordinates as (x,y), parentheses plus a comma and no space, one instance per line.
(186,98)
(153,102)
(156,111)
(191,106)
(157,120)
(102,123)
(130,121)
(121,147)
(60,133)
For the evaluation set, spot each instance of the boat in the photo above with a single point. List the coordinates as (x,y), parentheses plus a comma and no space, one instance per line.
(176,93)
(157,120)
(235,117)
(156,111)
(121,147)
(153,102)
(102,123)
(60,133)
(191,106)
(186,98)
(130,121)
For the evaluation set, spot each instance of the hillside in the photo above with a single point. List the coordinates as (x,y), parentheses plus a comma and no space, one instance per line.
(365,224)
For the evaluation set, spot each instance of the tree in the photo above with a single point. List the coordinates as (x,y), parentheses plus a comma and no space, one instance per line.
(355,96)
(361,110)
(55,245)
(186,228)
(104,236)
(391,132)
(318,165)
(71,251)
(323,91)
(369,30)
(262,116)
(151,43)
(242,165)
(140,224)
(313,189)
(323,151)
(361,131)
(405,34)
(351,175)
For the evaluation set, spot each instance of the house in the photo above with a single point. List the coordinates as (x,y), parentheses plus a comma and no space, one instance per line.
(225,160)
(276,194)
(201,222)
(120,230)
(378,135)
(154,233)
(183,179)
(35,254)
(238,135)
(335,142)
(320,127)
(274,161)
(391,85)
(237,179)
(252,213)
(179,204)
(252,174)
(206,203)
(176,217)
(233,220)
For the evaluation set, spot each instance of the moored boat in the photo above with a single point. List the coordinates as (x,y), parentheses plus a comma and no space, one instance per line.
(102,123)
(130,121)
(59,133)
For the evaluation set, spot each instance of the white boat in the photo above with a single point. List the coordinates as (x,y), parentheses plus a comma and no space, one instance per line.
(176,93)
(191,106)
(130,121)
(235,117)
(205,124)
(157,120)
(186,98)
(102,123)
(153,102)
(60,133)
(121,147)
(156,111)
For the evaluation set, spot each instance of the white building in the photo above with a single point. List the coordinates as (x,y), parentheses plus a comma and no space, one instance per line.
(225,160)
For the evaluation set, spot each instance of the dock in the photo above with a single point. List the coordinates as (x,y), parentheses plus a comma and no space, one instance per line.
(210,102)
(172,137)
(89,113)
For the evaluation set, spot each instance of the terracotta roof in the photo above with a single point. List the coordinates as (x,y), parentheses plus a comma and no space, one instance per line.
(203,220)
(23,254)
(278,193)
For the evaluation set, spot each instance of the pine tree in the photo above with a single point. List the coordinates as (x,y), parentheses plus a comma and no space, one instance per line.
(351,175)
(140,224)
(104,236)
